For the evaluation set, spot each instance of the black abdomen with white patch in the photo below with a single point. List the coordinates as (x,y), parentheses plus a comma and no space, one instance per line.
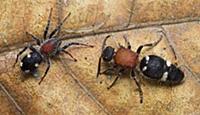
(156,68)
(30,63)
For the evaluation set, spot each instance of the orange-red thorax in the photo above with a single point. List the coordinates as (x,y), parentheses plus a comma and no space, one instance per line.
(126,58)
(49,47)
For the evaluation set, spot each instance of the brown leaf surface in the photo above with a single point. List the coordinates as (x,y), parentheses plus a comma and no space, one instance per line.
(17,17)
(71,87)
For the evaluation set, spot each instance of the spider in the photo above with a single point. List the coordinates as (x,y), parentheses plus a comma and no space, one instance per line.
(49,46)
(153,67)
(122,59)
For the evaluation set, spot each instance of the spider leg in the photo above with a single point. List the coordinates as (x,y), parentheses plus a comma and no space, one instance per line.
(127,42)
(47,69)
(117,77)
(99,67)
(70,55)
(59,26)
(107,71)
(34,38)
(34,50)
(23,50)
(110,70)
(99,62)
(48,24)
(138,85)
(71,44)
(104,43)
(149,45)
(75,43)
(138,73)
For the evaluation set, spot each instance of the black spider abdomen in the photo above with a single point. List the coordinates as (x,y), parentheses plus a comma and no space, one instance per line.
(153,67)
(30,62)
(175,74)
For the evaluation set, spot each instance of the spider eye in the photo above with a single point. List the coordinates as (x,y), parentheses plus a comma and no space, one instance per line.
(108,53)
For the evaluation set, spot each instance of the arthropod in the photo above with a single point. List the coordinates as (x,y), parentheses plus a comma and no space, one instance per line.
(49,46)
(124,58)
(158,69)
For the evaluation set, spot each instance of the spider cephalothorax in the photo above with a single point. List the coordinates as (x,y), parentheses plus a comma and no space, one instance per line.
(49,46)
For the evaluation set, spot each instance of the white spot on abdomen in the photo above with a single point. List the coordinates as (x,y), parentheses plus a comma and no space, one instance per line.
(27,71)
(164,77)
(147,59)
(36,64)
(168,63)
(144,68)
(21,64)
(29,55)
